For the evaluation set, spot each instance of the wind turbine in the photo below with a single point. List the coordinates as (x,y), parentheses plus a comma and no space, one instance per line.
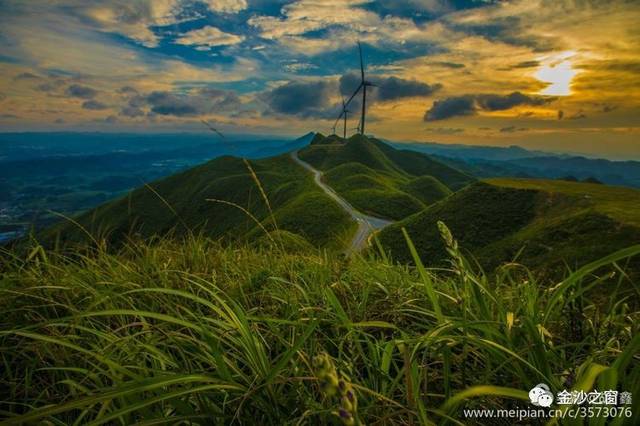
(364,83)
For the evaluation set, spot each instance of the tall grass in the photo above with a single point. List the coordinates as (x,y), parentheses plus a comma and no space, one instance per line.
(195,333)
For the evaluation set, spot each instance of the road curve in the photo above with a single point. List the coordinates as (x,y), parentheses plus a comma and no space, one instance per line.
(366,224)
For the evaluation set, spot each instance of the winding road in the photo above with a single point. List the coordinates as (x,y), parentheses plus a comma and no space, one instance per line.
(366,224)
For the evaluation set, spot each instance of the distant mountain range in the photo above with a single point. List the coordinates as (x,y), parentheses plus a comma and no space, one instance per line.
(487,161)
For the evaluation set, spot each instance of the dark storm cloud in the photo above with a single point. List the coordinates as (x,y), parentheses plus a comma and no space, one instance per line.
(78,91)
(94,105)
(395,88)
(501,102)
(451,107)
(299,98)
(387,88)
(471,104)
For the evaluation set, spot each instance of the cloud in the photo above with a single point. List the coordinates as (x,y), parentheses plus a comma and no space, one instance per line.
(560,114)
(525,64)
(128,90)
(451,107)
(94,105)
(388,88)
(51,85)
(311,27)
(295,67)
(446,64)
(502,102)
(26,76)
(444,130)
(132,112)
(78,91)
(471,104)
(204,101)
(300,98)
(135,19)
(227,6)
(395,88)
(512,129)
(209,37)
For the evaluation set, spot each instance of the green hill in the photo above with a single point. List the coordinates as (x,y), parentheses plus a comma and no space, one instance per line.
(181,203)
(540,222)
(368,173)
(380,180)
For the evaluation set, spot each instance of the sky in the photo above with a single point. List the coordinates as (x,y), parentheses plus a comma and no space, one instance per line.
(543,74)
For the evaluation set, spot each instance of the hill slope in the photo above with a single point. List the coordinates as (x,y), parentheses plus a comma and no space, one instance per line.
(180,203)
(379,179)
(552,222)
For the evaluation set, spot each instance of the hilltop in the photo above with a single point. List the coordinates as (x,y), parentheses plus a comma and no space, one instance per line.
(380,180)
(542,223)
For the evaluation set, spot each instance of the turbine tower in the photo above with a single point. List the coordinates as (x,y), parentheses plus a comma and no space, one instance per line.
(344,112)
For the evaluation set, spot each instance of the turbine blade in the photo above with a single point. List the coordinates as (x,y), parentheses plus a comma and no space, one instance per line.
(213,129)
(361,62)
(354,94)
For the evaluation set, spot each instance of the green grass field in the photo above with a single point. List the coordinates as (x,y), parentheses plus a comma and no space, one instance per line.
(193,332)
(549,225)
(616,202)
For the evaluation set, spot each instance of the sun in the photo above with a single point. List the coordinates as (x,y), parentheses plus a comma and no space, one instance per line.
(558,72)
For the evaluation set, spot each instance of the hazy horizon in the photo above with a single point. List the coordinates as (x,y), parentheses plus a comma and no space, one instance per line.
(262,136)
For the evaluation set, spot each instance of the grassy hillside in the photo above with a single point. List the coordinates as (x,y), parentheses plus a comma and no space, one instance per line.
(543,223)
(186,332)
(183,203)
(380,180)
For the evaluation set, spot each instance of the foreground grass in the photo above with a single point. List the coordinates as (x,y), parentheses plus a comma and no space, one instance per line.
(195,333)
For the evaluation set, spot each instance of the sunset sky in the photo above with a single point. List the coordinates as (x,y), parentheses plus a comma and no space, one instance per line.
(552,75)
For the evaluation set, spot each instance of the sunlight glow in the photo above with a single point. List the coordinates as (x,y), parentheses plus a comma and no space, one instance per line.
(557,71)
